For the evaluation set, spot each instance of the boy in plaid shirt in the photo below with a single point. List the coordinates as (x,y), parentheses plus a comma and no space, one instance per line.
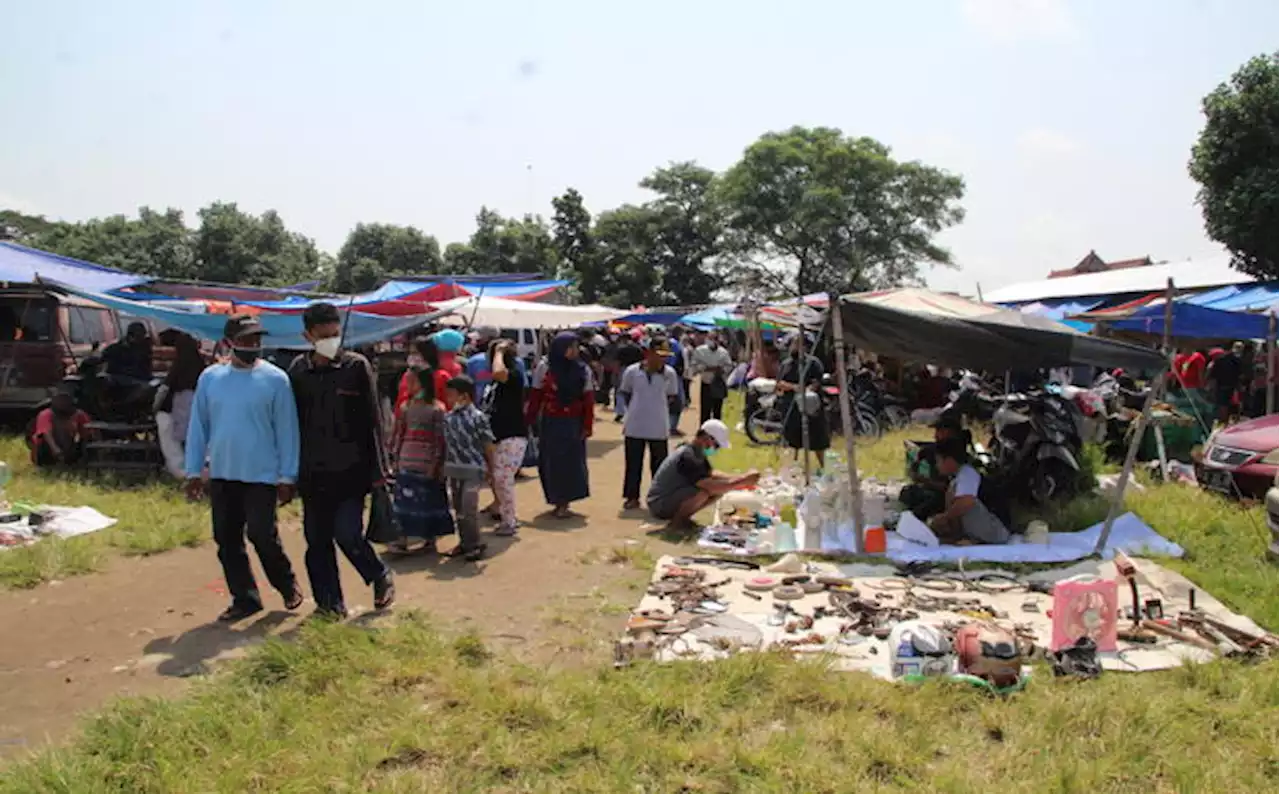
(468,463)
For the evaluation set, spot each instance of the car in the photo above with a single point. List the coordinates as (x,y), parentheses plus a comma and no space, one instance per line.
(1242,459)
(1273,521)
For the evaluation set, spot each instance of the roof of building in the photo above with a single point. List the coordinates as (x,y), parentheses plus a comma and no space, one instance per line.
(1212,272)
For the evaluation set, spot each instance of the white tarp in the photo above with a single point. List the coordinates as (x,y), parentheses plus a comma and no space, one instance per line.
(506,313)
(1129,534)
(1212,272)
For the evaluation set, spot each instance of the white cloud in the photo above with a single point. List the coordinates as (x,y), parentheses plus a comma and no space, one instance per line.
(1019,20)
(12,202)
(1042,142)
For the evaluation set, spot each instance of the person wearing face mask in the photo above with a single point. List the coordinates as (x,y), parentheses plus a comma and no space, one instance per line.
(685,482)
(341,459)
(712,364)
(244,423)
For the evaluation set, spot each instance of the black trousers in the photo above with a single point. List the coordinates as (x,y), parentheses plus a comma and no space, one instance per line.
(249,508)
(710,408)
(634,449)
(605,387)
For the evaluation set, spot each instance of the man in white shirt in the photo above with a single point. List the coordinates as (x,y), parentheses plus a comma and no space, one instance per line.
(966,519)
(712,364)
(650,389)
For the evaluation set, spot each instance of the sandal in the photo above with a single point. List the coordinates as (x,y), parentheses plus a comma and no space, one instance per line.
(470,555)
(384,591)
(294,601)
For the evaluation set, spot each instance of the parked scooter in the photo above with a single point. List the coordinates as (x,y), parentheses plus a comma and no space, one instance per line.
(763,424)
(1037,445)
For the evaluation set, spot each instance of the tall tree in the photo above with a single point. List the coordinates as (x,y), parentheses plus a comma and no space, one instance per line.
(628,262)
(154,244)
(689,230)
(505,245)
(1235,162)
(837,213)
(374,251)
(576,245)
(235,247)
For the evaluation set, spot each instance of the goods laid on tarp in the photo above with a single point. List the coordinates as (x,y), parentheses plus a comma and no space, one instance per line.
(904,624)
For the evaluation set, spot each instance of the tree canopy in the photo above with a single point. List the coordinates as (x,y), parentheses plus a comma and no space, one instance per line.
(1235,163)
(823,210)
(837,213)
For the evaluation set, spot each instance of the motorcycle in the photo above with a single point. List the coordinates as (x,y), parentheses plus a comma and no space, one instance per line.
(764,420)
(887,410)
(1036,444)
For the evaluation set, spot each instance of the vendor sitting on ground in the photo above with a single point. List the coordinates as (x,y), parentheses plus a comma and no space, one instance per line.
(965,519)
(59,431)
(685,483)
(926,495)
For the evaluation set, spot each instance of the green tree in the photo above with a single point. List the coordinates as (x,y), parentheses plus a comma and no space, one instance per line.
(690,226)
(576,245)
(374,251)
(505,245)
(627,259)
(837,213)
(234,247)
(1235,163)
(154,244)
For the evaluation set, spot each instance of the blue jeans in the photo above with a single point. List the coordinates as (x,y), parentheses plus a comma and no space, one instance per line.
(326,522)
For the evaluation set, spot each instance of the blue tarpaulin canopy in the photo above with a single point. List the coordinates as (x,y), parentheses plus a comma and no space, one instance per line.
(1062,308)
(707,317)
(1239,298)
(22,265)
(407,291)
(1196,322)
(283,330)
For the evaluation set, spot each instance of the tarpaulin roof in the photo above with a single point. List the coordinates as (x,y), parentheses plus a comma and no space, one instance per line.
(1195,322)
(711,316)
(1060,310)
(1151,278)
(283,330)
(505,313)
(946,329)
(22,265)
(1239,298)
(406,297)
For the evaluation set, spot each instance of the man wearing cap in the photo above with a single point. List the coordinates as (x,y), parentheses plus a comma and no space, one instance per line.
(342,460)
(478,367)
(649,389)
(245,424)
(685,482)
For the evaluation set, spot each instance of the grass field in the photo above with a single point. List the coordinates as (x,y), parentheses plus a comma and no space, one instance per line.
(406,707)
(153,517)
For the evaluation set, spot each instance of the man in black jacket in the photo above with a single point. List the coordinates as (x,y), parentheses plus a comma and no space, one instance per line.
(341,459)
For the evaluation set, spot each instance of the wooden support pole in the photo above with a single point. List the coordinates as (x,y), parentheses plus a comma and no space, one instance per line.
(1270,385)
(1117,498)
(846,419)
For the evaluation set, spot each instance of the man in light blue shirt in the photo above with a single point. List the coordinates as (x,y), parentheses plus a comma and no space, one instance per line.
(244,422)
(651,388)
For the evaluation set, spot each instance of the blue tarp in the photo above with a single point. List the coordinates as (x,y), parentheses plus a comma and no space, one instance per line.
(1197,322)
(1061,309)
(1238,298)
(21,265)
(283,330)
(708,316)
(654,318)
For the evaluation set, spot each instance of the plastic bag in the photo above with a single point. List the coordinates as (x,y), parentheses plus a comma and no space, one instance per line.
(381,527)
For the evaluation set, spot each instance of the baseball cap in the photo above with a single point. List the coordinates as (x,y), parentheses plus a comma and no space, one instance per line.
(718,431)
(658,345)
(239,325)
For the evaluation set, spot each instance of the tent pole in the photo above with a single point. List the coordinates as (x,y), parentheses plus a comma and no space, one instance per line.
(846,418)
(1166,347)
(802,392)
(1131,455)
(1270,386)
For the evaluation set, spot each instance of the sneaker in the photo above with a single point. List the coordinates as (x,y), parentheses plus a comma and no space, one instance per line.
(237,612)
(631,504)
(506,531)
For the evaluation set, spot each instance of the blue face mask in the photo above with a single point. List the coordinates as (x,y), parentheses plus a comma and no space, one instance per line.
(710,451)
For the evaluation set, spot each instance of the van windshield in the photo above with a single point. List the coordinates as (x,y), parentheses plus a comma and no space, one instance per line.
(27,320)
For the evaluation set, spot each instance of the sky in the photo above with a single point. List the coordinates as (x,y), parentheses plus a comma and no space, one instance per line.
(1071,122)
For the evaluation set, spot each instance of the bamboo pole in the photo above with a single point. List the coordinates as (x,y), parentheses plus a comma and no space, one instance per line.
(1269,386)
(1117,498)
(1166,347)
(846,419)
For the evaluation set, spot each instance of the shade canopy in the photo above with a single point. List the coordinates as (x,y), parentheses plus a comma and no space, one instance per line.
(506,313)
(409,297)
(283,330)
(22,265)
(1211,272)
(920,325)
(1195,322)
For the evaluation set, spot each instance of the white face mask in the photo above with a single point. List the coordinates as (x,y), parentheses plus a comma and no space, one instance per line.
(327,347)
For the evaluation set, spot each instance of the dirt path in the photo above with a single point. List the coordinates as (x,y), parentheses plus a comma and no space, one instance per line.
(143,625)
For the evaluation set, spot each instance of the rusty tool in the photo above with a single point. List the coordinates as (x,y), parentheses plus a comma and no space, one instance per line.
(1180,636)
(1126,569)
